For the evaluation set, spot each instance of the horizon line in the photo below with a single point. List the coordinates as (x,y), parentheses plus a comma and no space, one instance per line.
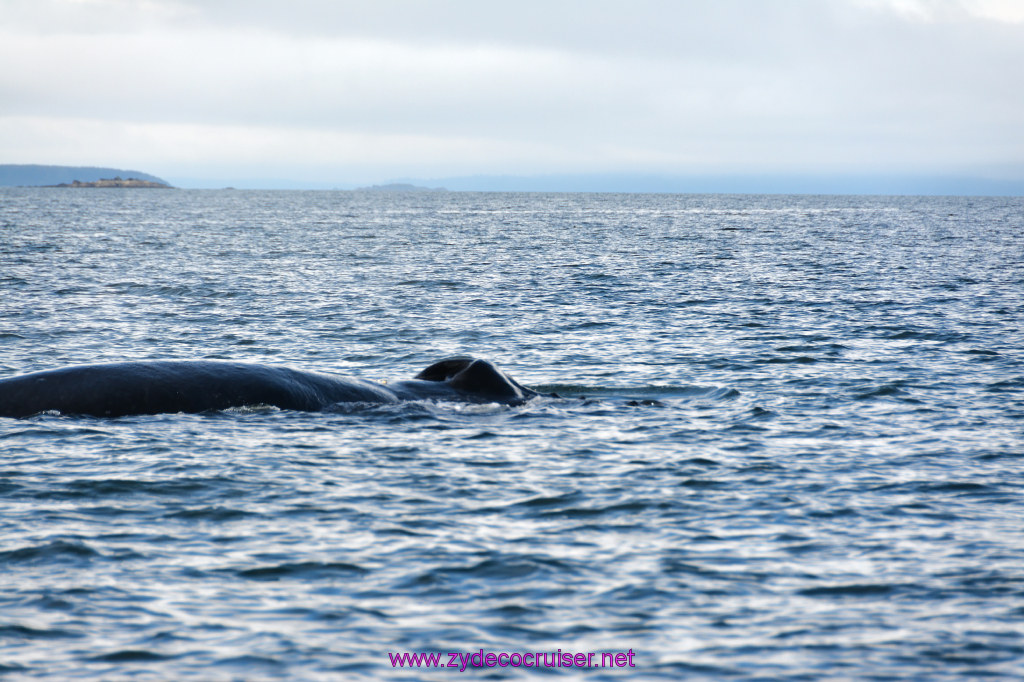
(610,183)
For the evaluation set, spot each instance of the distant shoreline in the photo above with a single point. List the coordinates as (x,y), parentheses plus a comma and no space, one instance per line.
(115,182)
(34,175)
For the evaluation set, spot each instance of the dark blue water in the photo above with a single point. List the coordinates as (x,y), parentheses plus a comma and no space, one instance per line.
(790,443)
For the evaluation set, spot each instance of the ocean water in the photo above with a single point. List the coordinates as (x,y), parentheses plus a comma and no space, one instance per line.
(789,443)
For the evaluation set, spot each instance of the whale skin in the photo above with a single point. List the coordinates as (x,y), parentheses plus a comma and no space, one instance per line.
(192,386)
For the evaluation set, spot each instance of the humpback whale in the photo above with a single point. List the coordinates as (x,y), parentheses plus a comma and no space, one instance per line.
(155,387)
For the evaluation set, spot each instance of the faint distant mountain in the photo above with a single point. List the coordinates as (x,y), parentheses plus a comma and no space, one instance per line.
(12,175)
(400,187)
(821,183)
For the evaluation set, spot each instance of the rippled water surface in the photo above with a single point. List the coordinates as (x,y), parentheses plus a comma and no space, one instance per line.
(789,443)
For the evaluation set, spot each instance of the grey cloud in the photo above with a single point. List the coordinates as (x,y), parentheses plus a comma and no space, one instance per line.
(799,84)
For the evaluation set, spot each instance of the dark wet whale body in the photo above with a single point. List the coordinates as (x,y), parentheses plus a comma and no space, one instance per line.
(119,389)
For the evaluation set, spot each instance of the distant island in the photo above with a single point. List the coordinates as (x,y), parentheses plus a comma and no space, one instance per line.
(400,187)
(15,175)
(114,182)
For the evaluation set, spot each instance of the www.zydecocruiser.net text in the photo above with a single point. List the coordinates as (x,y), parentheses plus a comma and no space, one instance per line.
(530,659)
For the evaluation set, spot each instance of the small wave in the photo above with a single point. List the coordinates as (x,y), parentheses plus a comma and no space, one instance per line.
(988,456)
(651,392)
(50,551)
(756,413)
(701,483)
(1002,386)
(920,335)
(492,568)
(117,487)
(852,590)
(305,569)
(210,514)
(131,655)
(809,347)
(545,501)
(833,512)
(702,461)
(514,611)
(570,506)
(47,432)
(107,511)
(444,283)
(628,508)
(676,567)
(170,291)
(505,567)
(483,435)
(959,487)
(250,661)
(25,632)
(879,392)
(590,324)
(798,360)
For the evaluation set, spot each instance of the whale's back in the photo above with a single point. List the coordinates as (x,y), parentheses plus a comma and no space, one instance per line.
(120,389)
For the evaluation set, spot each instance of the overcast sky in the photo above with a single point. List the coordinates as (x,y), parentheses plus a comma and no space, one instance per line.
(360,92)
